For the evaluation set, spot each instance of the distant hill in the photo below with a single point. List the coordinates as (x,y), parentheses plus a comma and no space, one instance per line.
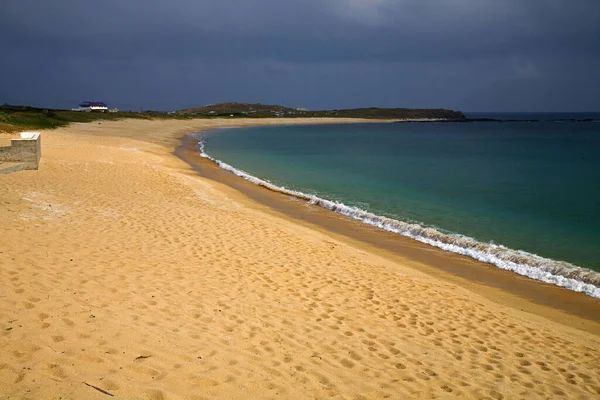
(266,111)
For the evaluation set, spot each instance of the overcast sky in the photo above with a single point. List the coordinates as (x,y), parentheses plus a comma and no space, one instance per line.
(469,55)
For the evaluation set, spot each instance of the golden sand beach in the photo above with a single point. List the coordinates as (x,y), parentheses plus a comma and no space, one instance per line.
(123,272)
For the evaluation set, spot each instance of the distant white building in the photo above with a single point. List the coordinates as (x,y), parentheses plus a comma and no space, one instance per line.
(91,106)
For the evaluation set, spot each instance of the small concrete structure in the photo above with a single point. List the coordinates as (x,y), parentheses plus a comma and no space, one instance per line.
(24,152)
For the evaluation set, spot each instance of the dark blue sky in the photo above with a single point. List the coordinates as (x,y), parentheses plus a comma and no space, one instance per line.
(469,55)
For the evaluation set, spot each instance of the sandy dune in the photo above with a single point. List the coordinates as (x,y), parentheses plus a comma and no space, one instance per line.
(122,269)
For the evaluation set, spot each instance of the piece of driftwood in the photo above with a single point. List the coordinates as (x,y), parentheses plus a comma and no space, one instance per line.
(98,389)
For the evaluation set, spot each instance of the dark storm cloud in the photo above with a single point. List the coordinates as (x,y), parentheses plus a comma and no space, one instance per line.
(164,54)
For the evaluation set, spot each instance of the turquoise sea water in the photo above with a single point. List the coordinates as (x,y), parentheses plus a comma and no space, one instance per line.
(524,196)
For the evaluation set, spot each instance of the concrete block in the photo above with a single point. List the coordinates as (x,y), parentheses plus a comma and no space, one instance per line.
(25,149)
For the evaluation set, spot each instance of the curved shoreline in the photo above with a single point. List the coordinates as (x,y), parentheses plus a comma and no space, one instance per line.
(462,266)
(559,273)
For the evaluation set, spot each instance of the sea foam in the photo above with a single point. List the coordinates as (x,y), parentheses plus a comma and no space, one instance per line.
(559,273)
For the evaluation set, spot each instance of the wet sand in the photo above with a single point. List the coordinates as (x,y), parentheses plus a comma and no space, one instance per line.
(122,269)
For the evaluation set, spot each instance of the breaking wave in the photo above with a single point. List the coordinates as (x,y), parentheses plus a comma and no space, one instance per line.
(559,273)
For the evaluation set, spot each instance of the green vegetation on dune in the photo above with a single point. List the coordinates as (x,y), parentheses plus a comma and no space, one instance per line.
(16,118)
